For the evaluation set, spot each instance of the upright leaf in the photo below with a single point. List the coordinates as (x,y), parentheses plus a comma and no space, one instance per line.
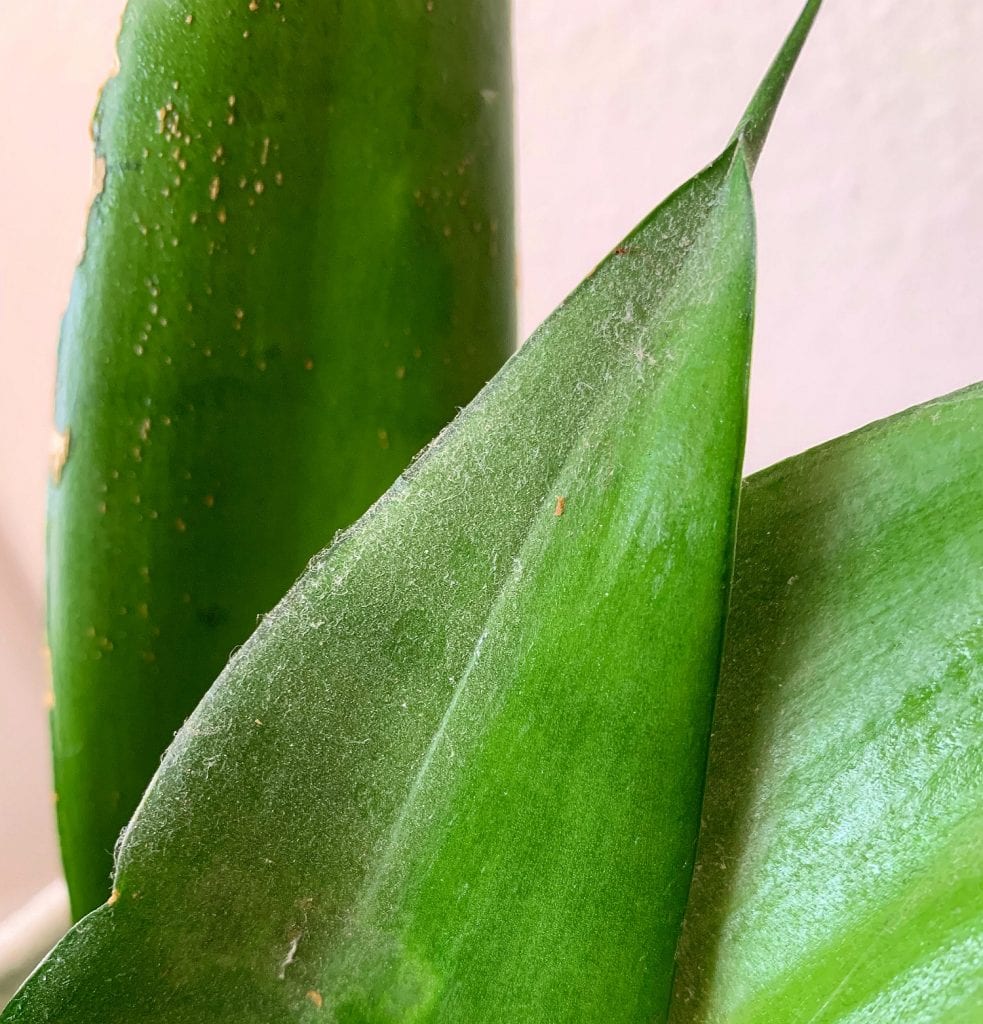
(840,873)
(299,266)
(455,775)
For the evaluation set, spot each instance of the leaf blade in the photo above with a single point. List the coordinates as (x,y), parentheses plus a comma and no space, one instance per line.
(838,874)
(352,675)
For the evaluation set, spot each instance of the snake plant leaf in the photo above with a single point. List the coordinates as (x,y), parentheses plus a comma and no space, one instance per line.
(455,774)
(840,872)
(298,268)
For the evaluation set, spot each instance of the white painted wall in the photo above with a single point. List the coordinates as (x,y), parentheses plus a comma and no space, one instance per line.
(870,208)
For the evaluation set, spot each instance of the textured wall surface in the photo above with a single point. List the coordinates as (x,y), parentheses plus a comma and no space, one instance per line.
(870,209)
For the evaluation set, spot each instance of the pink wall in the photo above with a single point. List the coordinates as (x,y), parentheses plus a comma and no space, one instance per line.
(870,206)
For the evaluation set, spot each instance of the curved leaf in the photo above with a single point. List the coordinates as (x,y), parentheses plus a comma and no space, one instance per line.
(840,873)
(415,793)
(299,266)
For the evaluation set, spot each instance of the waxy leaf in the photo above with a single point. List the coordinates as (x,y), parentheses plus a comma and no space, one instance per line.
(840,872)
(298,268)
(455,775)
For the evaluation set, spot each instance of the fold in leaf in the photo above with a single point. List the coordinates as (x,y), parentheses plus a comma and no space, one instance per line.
(455,775)
(298,268)
(840,873)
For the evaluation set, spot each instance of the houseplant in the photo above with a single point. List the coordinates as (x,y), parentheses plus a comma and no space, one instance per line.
(646,503)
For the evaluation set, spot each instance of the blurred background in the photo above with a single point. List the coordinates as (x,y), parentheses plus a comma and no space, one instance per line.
(870,216)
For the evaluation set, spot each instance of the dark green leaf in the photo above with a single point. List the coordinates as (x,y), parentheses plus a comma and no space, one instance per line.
(299,266)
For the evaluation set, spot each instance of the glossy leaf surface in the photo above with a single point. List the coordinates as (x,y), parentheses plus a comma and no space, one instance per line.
(840,872)
(416,793)
(298,267)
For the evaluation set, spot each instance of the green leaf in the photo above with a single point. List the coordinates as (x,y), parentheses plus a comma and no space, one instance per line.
(840,872)
(298,268)
(455,775)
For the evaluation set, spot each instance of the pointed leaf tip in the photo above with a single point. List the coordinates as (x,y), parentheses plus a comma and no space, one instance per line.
(753,127)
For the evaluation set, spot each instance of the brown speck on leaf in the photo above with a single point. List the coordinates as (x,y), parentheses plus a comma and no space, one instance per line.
(621,250)
(214,187)
(49,699)
(308,364)
(315,998)
(189,19)
(561,505)
(113,898)
(383,436)
(400,372)
(180,525)
(264,152)
(258,188)
(60,444)
(221,216)
(209,501)
(98,178)
(254,5)
(278,177)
